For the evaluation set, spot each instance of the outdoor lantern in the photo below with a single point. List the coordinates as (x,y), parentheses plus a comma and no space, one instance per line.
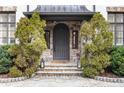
(42,63)
(78,60)
(78,63)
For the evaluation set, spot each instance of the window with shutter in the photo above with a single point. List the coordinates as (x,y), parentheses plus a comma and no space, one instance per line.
(75,39)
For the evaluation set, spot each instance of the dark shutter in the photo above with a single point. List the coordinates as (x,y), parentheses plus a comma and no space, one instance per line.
(75,39)
(47,38)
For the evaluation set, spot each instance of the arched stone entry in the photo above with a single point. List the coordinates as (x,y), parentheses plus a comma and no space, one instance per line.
(61,42)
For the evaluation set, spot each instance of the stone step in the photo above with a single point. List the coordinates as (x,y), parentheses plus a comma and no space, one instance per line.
(60,65)
(60,69)
(59,73)
(61,76)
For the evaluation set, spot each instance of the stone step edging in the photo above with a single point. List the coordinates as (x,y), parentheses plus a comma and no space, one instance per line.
(107,79)
(8,80)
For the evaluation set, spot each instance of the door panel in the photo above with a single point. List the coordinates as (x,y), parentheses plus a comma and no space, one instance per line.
(61,42)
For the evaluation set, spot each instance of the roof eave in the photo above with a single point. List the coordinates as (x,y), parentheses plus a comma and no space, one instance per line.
(60,13)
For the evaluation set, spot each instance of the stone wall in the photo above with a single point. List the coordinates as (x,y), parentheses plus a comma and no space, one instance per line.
(72,25)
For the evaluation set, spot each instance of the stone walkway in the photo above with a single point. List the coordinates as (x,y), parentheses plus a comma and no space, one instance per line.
(61,82)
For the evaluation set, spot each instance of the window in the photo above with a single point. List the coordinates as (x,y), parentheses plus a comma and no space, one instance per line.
(0,17)
(119,18)
(119,34)
(12,18)
(111,17)
(4,40)
(47,38)
(4,18)
(0,26)
(112,28)
(12,27)
(75,39)
(4,33)
(7,27)
(116,26)
(11,33)
(12,40)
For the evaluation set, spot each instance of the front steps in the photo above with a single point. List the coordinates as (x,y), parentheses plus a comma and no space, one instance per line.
(60,69)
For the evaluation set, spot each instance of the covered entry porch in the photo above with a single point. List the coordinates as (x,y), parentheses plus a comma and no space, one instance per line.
(62,30)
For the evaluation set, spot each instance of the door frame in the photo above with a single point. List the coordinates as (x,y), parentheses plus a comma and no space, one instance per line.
(68,39)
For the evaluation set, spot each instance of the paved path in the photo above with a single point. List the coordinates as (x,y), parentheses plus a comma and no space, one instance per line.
(61,82)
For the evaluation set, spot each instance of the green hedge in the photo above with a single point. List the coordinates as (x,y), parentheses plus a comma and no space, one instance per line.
(5,59)
(117,60)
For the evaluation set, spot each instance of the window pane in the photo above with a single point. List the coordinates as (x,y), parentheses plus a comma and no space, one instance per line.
(0,17)
(119,34)
(12,40)
(4,40)
(4,26)
(0,33)
(4,33)
(119,41)
(0,26)
(4,18)
(119,17)
(112,28)
(12,33)
(119,27)
(12,18)
(119,31)
(111,17)
(12,27)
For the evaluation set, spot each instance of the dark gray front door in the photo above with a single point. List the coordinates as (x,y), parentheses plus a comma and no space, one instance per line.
(61,42)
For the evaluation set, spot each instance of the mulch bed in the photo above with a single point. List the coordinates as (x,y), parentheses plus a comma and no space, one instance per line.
(110,75)
(4,76)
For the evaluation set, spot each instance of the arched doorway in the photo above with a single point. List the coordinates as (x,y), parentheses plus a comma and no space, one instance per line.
(61,42)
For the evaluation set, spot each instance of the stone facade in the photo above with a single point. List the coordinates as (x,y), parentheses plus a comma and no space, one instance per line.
(115,9)
(72,25)
(7,8)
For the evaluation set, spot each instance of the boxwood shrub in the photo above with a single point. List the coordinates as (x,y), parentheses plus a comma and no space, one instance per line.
(117,60)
